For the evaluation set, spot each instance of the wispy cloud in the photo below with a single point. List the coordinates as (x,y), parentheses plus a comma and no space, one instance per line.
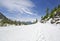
(22,6)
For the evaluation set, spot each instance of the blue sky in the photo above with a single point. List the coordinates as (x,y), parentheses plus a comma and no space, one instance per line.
(26,9)
(41,5)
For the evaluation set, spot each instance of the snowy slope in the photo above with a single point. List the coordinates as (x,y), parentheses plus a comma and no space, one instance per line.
(34,32)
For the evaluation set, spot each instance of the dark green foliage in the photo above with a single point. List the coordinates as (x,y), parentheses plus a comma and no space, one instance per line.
(24,23)
(47,11)
(36,21)
(10,22)
(51,14)
(56,9)
(58,6)
(5,21)
(2,16)
(47,14)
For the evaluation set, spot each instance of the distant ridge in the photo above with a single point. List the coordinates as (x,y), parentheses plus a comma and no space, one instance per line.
(2,16)
(4,21)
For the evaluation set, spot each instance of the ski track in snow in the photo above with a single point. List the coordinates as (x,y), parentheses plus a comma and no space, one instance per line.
(34,32)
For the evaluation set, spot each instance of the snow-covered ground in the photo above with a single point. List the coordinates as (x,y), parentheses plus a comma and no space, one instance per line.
(34,32)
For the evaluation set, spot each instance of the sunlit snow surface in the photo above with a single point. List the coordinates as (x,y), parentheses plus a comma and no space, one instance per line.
(34,32)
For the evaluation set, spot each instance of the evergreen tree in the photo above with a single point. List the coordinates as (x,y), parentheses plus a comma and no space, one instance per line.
(58,6)
(47,14)
(52,12)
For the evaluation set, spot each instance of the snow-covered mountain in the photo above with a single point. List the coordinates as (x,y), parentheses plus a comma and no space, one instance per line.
(4,21)
(53,17)
(56,18)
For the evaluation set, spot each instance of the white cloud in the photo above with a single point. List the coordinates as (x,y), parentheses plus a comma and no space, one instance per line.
(19,5)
